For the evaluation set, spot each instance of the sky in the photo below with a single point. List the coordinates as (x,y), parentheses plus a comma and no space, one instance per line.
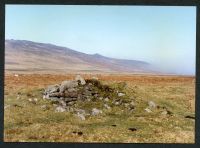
(164,36)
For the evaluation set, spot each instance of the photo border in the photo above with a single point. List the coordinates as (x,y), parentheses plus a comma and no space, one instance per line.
(100,2)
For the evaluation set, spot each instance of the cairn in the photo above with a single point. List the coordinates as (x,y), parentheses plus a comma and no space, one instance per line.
(66,94)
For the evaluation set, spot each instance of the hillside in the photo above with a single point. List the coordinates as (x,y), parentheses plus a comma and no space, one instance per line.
(28,56)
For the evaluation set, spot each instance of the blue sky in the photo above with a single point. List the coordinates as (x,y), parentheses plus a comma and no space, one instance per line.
(164,36)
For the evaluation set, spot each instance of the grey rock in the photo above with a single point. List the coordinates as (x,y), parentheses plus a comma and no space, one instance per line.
(88,99)
(117,103)
(62,103)
(67,84)
(52,89)
(96,95)
(87,93)
(81,116)
(46,97)
(126,105)
(100,98)
(71,103)
(54,99)
(96,111)
(80,111)
(148,110)
(60,109)
(164,112)
(72,90)
(151,104)
(44,107)
(32,100)
(70,99)
(121,94)
(106,106)
(81,79)
(106,99)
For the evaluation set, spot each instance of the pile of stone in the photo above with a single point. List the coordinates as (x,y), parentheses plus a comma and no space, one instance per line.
(66,94)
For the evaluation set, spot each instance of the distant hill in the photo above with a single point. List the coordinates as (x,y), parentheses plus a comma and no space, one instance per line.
(28,56)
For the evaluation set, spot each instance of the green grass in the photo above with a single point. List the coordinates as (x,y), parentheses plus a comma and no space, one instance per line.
(30,123)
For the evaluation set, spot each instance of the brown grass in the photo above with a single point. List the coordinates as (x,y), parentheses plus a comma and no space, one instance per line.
(30,123)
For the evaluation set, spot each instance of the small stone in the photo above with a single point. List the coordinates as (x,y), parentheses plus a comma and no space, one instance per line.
(46,97)
(80,79)
(60,109)
(126,105)
(106,99)
(18,97)
(32,100)
(106,106)
(164,113)
(100,98)
(96,95)
(81,116)
(63,103)
(151,104)
(88,99)
(80,111)
(35,99)
(117,103)
(96,111)
(44,107)
(121,94)
(148,110)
